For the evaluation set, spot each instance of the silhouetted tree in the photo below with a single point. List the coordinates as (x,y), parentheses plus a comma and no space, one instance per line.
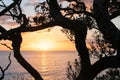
(98,49)
(110,74)
(75,18)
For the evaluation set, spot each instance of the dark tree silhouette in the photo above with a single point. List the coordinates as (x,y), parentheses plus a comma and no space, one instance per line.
(4,69)
(111,74)
(75,18)
(98,49)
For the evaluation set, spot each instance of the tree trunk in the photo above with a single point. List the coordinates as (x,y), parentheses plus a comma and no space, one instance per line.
(16,42)
(80,37)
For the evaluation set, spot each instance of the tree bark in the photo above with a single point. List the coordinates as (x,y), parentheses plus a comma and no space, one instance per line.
(104,63)
(16,42)
(80,36)
(109,30)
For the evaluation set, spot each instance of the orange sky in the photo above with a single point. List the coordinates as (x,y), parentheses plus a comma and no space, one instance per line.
(43,40)
(54,40)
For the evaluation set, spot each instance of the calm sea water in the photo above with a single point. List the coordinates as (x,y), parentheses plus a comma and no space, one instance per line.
(51,65)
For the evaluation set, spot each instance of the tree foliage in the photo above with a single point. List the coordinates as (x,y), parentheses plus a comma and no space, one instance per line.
(98,49)
(75,20)
(111,74)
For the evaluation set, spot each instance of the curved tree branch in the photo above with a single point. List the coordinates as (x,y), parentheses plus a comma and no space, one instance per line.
(16,42)
(80,31)
(9,7)
(15,36)
(104,63)
(6,46)
(80,36)
(3,70)
(25,28)
(109,30)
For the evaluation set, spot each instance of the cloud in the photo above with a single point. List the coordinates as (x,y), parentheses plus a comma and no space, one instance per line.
(7,22)
(31,3)
(4,19)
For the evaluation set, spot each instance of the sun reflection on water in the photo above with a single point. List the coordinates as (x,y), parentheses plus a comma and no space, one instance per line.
(43,62)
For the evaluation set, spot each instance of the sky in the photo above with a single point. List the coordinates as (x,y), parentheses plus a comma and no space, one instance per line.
(42,40)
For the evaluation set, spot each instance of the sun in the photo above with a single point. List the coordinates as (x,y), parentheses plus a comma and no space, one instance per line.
(45,45)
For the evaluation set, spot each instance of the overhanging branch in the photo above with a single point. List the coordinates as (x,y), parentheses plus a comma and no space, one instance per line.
(26,28)
(9,7)
(104,63)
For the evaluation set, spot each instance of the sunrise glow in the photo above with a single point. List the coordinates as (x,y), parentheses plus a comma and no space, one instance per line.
(45,45)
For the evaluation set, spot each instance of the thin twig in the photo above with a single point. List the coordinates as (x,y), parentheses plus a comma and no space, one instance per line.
(9,62)
(6,46)
(3,70)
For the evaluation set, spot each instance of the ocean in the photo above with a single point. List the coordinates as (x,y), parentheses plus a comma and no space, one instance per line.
(50,64)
